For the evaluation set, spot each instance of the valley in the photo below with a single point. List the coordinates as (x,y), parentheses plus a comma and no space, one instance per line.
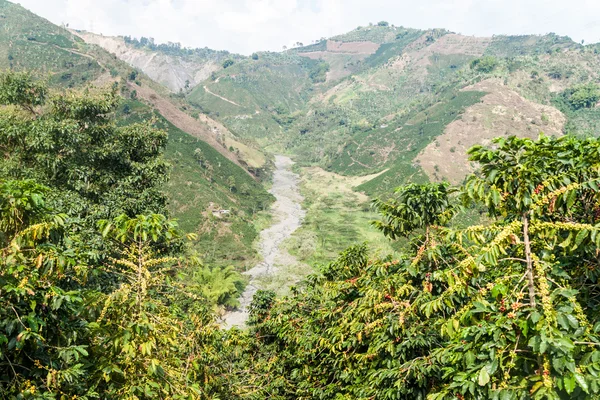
(386,213)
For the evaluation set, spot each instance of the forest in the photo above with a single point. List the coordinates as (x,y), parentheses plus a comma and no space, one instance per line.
(103,297)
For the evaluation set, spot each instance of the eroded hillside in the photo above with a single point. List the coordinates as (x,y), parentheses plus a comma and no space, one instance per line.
(175,72)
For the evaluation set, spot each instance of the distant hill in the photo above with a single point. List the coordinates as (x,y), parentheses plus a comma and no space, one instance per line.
(212,169)
(169,65)
(407,101)
(381,98)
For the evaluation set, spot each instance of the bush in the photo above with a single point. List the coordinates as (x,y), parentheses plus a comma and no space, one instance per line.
(583,96)
(228,63)
(485,64)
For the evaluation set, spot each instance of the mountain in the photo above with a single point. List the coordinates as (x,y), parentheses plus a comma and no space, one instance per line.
(405,101)
(207,173)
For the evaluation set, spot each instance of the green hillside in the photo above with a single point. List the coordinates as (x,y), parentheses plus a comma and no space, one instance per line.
(28,42)
(380,96)
(436,239)
(401,90)
(250,96)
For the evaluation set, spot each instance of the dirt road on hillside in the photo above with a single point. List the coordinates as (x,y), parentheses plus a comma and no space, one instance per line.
(288,215)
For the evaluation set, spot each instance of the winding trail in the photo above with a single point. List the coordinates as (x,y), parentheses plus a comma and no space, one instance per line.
(220,97)
(288,215)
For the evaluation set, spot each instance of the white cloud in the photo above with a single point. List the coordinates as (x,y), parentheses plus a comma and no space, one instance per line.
(249,25)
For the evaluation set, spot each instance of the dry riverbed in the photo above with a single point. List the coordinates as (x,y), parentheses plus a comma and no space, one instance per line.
(278,268)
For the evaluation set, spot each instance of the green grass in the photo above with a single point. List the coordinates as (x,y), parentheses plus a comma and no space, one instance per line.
(336,218)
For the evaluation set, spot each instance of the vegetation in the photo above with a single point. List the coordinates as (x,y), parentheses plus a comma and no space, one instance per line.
(198,185)
(112,303)
(175,49)
(28,42)
(486,64)
(498,311)
(582,96)
(487,290)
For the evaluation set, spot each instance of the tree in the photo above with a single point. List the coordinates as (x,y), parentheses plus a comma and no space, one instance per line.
(231,183)
(245,189)
(199,156)
(415,208)
(72,144)
(42,347)
(132,75)
(498,310)
(485,64)
(141,349)
(255,56)
(383,23)
(20,89)
(582,96)
(228,63)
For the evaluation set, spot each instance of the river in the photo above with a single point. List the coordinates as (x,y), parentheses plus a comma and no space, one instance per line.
(288,215)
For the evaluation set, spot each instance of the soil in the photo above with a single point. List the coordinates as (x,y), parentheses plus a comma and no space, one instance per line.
(502,112)
(172,72)
(182,120)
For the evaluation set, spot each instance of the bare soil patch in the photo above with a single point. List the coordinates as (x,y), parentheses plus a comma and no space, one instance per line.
(183,121)
(447,45)
(366,48)
(502,112)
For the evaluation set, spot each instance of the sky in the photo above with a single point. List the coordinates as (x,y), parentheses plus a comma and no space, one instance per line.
(245,26)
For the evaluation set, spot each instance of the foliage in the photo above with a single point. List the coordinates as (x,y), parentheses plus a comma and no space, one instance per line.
(582,96)
(485,64)
(41,350)
(319,72)
(415,207)
(498,311)
(20,89)
(92,314)
(141,347)
(73,145)
(175,49)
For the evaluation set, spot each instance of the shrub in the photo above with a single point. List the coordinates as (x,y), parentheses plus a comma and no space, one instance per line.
(484,64)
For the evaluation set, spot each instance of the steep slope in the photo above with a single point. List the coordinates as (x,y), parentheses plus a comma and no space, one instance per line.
(206,176)
(250,97)
(501,112)
(174,67)
(408,101)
